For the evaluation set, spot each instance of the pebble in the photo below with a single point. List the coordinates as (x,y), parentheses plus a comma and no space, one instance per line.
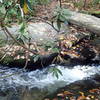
(87,98)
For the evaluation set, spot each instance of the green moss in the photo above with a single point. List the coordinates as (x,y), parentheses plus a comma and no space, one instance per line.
(2,42)
(7,60)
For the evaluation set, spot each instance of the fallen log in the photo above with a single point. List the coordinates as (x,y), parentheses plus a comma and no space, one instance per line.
(89,22)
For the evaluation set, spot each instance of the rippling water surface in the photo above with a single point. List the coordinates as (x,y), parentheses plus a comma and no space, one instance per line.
(42,78)
(40,82)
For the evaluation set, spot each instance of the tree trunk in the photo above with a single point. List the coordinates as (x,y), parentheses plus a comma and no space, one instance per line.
(89,22)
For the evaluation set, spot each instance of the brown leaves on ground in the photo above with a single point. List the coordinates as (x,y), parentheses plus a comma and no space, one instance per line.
(81,5)
(93,94)
(74,5)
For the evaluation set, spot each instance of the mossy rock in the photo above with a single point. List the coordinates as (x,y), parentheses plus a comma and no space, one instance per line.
(6,60)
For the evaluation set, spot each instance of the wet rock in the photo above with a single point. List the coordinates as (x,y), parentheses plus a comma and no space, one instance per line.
(39,32)
(81,86)
(24,93)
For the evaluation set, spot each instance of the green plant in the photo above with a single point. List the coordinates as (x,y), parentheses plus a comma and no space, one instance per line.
(95,2)
(50,45)
(79,3)
(55,72)
(61,15)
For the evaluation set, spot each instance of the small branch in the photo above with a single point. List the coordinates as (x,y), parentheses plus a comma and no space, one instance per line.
(22,13)
(27,55)
(7,50)
(6,36)
(43,20)
(85,2)
(60,3)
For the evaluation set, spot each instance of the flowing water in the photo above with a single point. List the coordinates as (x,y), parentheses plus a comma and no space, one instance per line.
(18,84)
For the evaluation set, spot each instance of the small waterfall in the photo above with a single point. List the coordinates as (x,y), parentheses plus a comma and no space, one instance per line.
(39,83)
(42,78)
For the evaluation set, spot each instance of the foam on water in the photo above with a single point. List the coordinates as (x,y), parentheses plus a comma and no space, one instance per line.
(43,78)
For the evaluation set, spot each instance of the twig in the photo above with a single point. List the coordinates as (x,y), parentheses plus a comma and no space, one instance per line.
(22,13)
(84,6)
(27,55)
(43,20)
(6,36)
(60,3)
(7,50)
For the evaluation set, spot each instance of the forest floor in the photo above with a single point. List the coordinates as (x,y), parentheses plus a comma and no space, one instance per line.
(85,6)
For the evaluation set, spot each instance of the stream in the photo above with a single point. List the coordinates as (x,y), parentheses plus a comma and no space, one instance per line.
(18,84)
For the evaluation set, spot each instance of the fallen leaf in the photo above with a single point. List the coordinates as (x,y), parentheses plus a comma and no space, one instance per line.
(60,94)
(94,90)
(25,8)
(67,93)
(82,97)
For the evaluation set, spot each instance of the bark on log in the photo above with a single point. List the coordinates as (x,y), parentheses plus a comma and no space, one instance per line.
(89,22)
